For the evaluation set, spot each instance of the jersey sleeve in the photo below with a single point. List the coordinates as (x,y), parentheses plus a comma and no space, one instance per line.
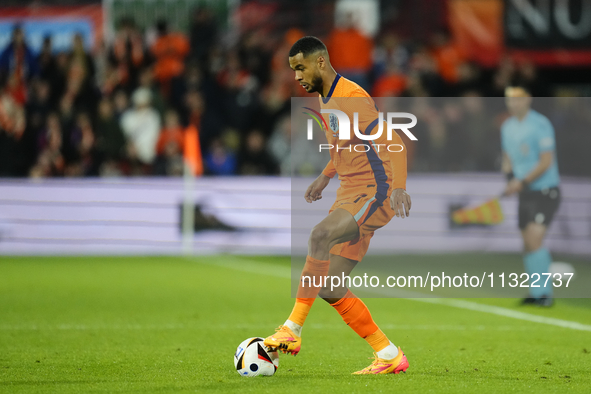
(329,170)
(546,140)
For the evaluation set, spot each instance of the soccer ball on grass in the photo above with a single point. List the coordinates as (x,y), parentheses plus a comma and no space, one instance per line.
(253,358)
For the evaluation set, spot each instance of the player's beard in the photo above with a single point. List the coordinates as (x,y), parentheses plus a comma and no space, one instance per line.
(316,84)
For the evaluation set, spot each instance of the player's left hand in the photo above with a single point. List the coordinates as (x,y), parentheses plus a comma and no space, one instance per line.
(400,203)
(514,186)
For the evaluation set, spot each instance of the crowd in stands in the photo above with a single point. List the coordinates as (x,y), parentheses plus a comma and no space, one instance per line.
(125,107)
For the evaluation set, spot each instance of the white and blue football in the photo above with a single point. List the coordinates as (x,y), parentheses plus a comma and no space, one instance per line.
(253,358)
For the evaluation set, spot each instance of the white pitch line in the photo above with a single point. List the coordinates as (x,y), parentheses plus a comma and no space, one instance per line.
(245,265)
(240,264)
(500,311)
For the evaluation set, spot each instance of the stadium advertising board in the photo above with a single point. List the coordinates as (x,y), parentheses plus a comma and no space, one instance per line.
(550,32)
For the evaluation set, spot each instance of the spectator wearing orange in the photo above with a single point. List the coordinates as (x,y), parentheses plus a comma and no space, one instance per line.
(172,132)
(170,161)
(351,52)
(392,83)
(448,57)
(170,51)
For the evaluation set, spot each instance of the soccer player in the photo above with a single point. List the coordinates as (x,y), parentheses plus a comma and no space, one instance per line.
(372,191)
(529,162)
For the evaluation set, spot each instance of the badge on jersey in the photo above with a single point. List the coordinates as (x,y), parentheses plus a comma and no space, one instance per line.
(546,143)
(333,121)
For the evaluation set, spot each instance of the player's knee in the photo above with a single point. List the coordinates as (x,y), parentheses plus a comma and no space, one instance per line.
(320,235)
(532,242)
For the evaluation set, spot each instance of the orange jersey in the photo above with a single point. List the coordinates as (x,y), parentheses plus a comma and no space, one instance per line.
(379,167)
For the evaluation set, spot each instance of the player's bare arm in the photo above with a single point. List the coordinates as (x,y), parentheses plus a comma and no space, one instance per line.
(400,202)
(314,191)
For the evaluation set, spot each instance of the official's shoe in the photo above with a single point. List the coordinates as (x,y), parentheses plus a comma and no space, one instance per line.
(528,301)
(544,301)
(284,340)
(380,366)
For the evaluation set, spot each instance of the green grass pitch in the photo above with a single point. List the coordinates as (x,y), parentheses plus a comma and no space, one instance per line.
(164,324)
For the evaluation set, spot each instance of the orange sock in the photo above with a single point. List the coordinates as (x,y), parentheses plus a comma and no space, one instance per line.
(357,316)
(308,289)
(300,310)
(378,340)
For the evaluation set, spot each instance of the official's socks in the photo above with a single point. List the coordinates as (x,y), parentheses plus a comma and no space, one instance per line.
(538,262)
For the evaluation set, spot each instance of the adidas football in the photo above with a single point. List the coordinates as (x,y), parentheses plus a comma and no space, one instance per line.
(253,358)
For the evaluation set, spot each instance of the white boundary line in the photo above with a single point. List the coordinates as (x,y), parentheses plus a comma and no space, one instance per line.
(506,312)
(246,265)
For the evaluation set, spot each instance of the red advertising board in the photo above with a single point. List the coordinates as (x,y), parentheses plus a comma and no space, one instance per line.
(551,33)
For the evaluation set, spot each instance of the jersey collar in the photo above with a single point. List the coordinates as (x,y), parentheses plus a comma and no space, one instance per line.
(331,91)
(525,118)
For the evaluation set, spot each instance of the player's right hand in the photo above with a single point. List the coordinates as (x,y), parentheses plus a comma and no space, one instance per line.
(314,191)
(400,203)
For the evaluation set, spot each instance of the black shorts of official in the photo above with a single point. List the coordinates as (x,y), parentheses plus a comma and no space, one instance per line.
(538,206)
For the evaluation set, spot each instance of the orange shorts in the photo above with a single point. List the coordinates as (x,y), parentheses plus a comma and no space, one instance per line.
(370,215)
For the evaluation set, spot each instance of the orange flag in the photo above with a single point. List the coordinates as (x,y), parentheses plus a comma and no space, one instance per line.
(489,213)
(193,150)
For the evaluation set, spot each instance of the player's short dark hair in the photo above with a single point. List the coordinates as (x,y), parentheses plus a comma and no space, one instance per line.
(520,83)
(307,45)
